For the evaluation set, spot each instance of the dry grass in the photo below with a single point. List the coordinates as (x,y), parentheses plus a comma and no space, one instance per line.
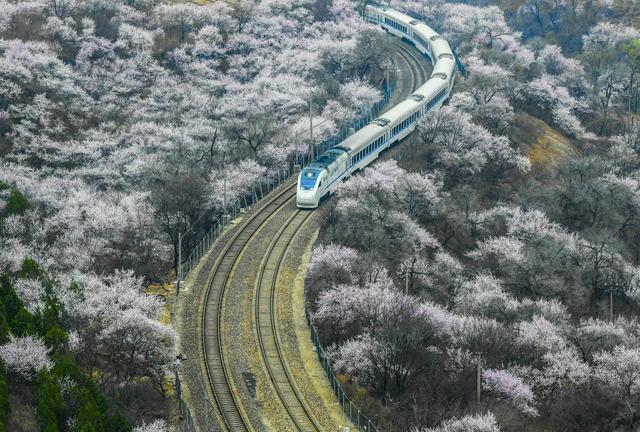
(543,145)
(165,291)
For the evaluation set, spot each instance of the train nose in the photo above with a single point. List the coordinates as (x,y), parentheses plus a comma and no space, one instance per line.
(306,199)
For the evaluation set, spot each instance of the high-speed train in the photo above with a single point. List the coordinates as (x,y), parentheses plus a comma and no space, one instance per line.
(322,176)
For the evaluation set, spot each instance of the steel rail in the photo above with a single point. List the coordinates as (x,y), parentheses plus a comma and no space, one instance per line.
(417,67)
(267,331)
(218,374)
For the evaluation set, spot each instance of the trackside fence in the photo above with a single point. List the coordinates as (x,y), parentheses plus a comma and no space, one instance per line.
(187,424)
(263,187)
(239,205)
(361,421)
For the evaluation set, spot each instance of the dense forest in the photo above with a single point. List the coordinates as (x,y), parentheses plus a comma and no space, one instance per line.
(122,124)
(506,235)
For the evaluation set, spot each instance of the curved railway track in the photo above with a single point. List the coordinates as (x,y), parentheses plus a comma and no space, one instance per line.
(267,328)
(414,73)
(417,61)
(217,370)
(229,407)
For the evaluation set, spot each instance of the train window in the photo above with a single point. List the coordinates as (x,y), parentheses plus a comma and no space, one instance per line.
(308,178)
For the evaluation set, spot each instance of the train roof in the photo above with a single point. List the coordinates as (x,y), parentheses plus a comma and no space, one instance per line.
(444,66)
(363,136)
(439,46)
(401,110)
(430,88)
(327,158)
(398,16)
(424,30)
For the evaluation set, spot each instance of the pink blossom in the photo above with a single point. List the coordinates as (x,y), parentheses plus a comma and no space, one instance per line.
(541,334)
(331,257)
(367,308)
(512,388)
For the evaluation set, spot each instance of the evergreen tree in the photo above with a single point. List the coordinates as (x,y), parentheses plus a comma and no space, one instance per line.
(50,405)
(17,204)
(4,398)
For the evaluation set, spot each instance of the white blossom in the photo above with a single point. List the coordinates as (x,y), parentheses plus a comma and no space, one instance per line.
(25,356)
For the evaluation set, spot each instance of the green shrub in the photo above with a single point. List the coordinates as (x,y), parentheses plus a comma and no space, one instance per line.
(17,204)
(4,398)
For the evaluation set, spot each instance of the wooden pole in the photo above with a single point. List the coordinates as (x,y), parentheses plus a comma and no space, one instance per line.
(478,377)
(310,129)
(179,269)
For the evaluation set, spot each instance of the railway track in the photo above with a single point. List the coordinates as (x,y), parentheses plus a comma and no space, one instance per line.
(221,385)
(218,374)
(413,74)
(417,63)
(267,326)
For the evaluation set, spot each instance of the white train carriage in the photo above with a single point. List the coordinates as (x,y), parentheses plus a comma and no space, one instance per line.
(321,178)
(421,35)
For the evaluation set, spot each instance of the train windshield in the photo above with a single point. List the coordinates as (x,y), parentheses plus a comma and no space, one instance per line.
(308,178)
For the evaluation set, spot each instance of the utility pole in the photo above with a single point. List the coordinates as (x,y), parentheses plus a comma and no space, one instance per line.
(611,305)
(224,188)
(310,129)
(179,269)
(224,195)
(406,281)
(386,71)
(478,377)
